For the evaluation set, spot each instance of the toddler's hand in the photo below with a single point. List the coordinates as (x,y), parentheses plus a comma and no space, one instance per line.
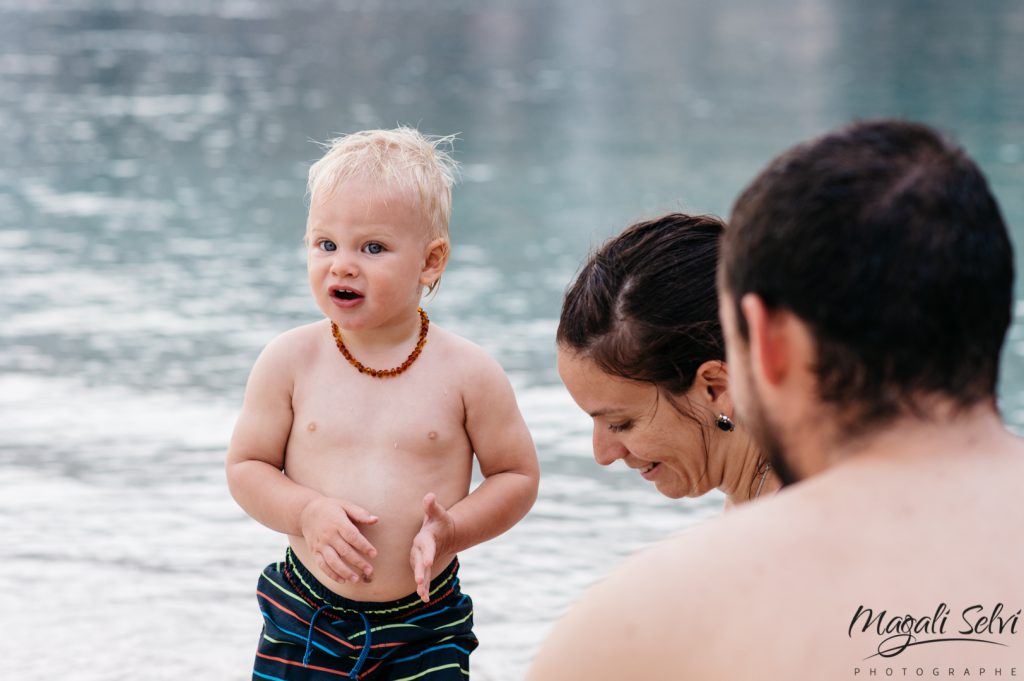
(341,551)
(432,540)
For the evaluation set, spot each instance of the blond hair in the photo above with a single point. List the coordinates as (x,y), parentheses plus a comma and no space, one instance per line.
(403,159)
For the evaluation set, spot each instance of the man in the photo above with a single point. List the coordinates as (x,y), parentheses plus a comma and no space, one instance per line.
(865,292)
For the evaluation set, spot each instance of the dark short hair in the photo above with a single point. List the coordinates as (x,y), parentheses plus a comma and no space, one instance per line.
(644,306)
(883,237)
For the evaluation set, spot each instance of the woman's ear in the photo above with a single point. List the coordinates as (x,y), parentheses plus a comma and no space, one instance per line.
(434,261)
(713,381)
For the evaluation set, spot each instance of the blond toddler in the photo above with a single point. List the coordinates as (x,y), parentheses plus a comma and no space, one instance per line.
(367,470)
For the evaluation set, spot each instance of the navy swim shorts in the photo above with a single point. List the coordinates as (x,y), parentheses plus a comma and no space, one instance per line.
(312,634)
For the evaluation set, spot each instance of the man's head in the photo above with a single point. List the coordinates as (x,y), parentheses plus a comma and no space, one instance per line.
(883,240)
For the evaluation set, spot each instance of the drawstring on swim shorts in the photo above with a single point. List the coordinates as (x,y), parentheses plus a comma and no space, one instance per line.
(309,638)
(354,674)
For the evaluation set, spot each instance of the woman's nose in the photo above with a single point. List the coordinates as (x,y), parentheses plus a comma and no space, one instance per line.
(607,448)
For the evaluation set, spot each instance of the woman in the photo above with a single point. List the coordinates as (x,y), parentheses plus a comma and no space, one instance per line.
(640,350)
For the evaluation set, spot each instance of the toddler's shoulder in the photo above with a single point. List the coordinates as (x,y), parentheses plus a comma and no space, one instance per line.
(295,345)
(479,377)
(463,355)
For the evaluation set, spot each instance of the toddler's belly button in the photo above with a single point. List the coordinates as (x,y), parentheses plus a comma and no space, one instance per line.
(312,426)
(432,435)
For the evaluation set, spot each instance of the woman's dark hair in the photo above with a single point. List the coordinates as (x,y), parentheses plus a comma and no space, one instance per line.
(645,307)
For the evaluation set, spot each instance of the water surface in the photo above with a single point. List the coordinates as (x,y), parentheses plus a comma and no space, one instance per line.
(152,160)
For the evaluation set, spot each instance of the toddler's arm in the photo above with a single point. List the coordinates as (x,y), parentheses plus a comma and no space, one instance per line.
(256,479)
(508,462)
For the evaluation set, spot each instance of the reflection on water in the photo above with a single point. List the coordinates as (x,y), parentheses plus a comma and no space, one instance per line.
(152,160)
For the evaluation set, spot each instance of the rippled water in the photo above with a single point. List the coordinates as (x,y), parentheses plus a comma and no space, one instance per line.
(152,156)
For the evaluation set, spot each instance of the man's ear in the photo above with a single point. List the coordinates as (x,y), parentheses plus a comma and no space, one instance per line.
(435,260)
(770,344)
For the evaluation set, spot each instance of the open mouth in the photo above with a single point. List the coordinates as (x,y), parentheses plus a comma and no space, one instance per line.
(648,468)
(346,294)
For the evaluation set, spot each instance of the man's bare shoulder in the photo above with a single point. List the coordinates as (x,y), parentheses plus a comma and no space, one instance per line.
(709,603)
(635,622)
(770,589)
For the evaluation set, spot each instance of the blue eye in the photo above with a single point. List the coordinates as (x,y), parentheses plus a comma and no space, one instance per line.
(619,427)
(374,248)
(328,246)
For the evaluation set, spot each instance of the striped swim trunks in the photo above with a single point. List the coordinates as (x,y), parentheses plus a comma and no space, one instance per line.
(312,634)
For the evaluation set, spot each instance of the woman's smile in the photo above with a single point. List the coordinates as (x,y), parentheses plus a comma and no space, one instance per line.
(649,471)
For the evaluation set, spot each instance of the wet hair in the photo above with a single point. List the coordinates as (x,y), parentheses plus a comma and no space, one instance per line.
(403,159)
(883,237)
(644,307)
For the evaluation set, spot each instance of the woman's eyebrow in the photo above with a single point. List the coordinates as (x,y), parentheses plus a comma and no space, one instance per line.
(602,412)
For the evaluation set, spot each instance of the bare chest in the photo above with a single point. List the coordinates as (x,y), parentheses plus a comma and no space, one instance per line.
(336,411)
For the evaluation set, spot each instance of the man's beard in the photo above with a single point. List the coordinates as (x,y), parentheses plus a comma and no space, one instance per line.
(766,435)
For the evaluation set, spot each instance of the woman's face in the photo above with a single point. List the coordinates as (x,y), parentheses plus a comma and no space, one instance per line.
(634,423)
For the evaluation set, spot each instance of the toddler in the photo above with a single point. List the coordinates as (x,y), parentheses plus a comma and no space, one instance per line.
(358,431)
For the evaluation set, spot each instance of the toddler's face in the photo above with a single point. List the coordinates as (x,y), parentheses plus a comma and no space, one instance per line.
(366,253)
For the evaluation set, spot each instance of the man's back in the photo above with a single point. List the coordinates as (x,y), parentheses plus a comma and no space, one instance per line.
(921,535)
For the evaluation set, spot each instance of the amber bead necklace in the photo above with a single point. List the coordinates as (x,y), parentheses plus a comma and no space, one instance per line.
(385,373)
